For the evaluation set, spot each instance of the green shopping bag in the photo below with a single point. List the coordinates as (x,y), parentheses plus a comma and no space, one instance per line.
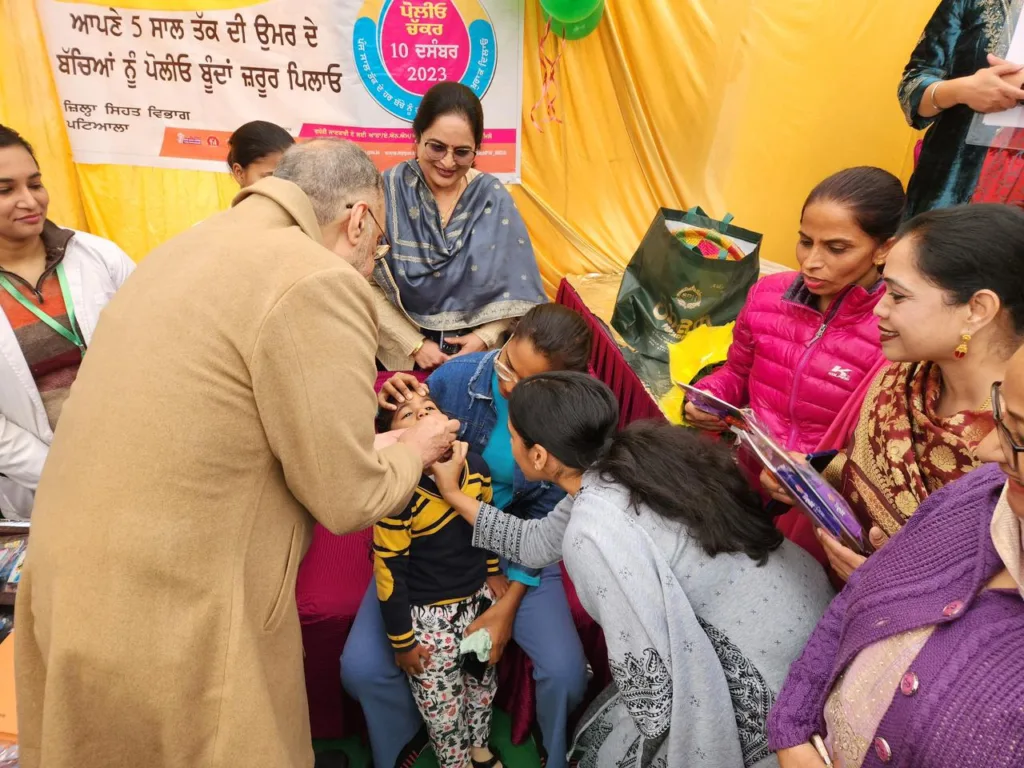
(689,270)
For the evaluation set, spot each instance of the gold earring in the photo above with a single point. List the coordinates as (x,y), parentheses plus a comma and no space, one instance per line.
(961,351)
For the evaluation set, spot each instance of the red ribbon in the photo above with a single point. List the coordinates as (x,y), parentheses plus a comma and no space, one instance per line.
(549,84)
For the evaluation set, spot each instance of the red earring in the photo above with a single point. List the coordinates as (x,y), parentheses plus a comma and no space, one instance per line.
(961,351)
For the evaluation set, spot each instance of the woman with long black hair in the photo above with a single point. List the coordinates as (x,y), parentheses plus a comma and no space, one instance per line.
(703,604)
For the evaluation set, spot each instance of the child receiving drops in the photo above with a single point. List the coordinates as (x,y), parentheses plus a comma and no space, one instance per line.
(432,585)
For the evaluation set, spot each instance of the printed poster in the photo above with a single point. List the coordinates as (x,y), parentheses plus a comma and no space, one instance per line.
(163,83)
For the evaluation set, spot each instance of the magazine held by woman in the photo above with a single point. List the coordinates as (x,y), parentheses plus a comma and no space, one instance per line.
(810,490)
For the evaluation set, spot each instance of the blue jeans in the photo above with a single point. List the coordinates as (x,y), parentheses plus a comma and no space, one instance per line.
(543,629)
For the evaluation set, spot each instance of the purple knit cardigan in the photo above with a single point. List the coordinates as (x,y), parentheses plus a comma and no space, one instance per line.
(961,702)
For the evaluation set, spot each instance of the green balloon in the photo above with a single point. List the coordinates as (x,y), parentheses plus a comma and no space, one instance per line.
(577,30)
(569,11)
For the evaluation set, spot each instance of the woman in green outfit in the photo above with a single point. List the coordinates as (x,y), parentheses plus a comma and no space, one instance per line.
(954,73)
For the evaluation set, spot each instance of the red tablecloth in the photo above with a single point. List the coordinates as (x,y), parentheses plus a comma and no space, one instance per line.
(635,402)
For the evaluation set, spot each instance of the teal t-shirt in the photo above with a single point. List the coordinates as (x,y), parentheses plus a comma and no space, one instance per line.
(499,458)
(498,453)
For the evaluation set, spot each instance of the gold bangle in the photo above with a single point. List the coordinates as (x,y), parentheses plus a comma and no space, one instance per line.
(935,104)
(417,348)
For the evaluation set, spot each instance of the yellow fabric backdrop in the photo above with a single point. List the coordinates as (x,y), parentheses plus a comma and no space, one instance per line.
(738,105)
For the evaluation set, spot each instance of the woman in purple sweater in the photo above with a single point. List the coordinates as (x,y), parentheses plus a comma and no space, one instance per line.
(920,661)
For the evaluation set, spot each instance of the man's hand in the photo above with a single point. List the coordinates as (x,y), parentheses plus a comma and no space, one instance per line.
(431,437)
(414,660)
(468,344)
(497,620)
(498,584)
(430,356)
(398,389)
(702,419)
(384,439)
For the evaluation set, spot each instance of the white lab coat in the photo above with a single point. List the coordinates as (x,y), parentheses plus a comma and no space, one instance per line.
(95,269)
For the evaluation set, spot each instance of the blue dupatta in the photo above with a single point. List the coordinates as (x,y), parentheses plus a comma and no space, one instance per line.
(478,269)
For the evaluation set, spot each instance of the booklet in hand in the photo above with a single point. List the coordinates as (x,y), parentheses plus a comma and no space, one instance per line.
(812,493)
(734,417)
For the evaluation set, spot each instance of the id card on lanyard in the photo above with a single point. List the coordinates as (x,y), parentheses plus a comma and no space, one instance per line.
(71,335)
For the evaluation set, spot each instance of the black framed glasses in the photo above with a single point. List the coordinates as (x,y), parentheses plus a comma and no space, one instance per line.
(1011,448)
(435,150)
(383,244)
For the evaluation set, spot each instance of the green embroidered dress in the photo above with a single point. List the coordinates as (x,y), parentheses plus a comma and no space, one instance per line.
(955,43)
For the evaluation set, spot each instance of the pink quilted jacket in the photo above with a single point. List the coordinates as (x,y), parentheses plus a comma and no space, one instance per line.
(794,366)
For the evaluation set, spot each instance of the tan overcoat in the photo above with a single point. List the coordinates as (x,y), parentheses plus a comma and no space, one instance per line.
(226,402)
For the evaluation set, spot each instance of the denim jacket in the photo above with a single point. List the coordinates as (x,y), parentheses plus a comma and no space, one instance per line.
(462,389)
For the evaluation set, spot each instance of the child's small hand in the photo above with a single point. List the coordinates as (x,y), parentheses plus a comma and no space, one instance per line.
(498,585)
(448,474)
(414,660)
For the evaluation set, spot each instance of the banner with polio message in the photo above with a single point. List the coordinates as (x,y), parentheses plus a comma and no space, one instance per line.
(163,83)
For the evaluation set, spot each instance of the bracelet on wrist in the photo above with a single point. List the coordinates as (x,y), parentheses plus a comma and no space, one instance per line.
(417,348)
(935,104)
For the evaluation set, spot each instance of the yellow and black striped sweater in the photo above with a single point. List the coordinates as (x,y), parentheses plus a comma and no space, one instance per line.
(425,555)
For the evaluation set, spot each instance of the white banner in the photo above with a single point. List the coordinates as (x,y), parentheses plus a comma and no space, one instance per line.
(163,83)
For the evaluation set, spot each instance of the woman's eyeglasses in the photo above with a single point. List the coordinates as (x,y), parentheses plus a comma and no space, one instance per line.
(503,369)
(1011,448)
(435,151)
(383,244)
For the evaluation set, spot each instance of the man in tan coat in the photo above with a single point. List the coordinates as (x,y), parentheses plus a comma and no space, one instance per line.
(225,403)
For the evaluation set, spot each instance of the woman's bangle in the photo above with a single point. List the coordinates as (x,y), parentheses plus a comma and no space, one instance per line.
(417,348)
(935,104)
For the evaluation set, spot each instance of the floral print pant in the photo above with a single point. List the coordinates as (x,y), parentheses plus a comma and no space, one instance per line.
(454,704)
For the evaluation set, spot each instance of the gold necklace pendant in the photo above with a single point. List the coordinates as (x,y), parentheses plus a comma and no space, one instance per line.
(446,217)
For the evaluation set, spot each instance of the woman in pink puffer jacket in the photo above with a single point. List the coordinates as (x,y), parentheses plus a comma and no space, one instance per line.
(805,341)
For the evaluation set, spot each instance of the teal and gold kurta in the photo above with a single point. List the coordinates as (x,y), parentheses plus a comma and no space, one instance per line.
(955,43)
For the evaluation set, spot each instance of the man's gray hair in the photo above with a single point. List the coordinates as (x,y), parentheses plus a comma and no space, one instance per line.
(332,173)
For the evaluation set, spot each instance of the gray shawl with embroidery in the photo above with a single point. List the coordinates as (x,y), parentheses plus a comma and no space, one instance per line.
(697,645)
(477,269)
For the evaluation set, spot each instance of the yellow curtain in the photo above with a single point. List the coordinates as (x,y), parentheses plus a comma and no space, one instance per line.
(735,105)
(28,103)
(739,106)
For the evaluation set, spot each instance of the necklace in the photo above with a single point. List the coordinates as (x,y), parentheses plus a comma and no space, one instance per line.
(455,201)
